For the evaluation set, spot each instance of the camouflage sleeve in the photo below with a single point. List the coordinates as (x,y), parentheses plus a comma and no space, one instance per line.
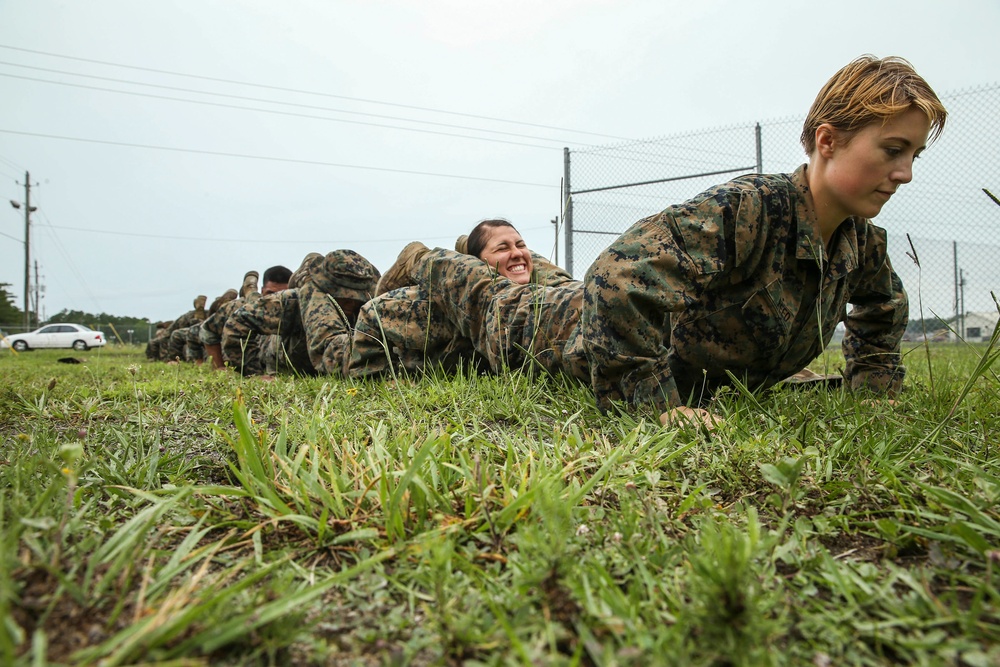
(328,332)
(659,266)
(547,273)
(211,328)
(876,323)
(273,314)
(240,327)
(184,320)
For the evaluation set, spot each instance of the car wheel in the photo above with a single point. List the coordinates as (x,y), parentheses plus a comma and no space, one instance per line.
(20,346)
(80,346)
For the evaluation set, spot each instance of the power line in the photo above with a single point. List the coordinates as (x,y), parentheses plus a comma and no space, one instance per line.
(276,159)
(174,237)
(308,92)
(68,258)
(11,163)
(266,101)
(278,113)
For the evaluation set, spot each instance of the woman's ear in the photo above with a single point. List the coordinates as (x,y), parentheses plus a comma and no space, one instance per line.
(826,137)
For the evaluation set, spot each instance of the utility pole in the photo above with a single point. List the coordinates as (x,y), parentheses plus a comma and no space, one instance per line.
(28,210)
(38,297)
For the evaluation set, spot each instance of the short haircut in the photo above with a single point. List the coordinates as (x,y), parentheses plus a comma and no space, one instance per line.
(480,234)
(277,274)
(869,90)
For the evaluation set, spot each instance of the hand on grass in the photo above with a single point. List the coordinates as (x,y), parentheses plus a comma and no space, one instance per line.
(683,415)
(875,402)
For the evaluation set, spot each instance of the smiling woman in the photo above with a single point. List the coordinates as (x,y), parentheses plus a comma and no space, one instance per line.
(497,243)
(748,279)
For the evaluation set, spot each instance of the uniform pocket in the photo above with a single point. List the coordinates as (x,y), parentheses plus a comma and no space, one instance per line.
(767,318)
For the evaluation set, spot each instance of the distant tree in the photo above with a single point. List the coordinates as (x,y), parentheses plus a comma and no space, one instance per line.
(107,323)
(10,315)
(928,324)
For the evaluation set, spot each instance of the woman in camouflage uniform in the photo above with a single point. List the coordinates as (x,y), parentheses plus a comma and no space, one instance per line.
(398,328)
(750,277)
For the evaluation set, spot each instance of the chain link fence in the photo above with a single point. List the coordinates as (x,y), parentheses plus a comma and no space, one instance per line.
(954,228)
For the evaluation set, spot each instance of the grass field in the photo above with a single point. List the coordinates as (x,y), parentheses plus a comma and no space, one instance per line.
(172,515)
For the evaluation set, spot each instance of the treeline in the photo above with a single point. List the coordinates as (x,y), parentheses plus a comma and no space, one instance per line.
(929,324)
(109,324)
(115,327)
(10,315)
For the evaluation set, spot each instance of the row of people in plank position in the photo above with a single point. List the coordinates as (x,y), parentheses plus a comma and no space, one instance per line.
(749,278)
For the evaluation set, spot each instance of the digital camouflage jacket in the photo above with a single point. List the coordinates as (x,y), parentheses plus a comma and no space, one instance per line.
(738,280)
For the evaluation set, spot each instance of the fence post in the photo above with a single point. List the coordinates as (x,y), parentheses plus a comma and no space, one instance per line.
(568,211)
(760,159)
(954,264)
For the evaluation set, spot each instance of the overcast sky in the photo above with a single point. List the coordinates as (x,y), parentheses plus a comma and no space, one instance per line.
(250,133)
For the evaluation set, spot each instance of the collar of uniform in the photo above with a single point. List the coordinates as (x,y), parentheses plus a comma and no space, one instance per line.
(809,244)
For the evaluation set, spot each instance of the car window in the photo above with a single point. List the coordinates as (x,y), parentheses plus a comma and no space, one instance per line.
(49,329)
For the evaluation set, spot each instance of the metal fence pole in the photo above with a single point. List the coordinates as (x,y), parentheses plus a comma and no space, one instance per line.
(760,153)
(568,211)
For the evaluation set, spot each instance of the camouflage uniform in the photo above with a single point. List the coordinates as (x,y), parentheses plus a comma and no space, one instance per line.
(187,319)
(336,287)
(153,346)
(194,351)
(264,335)
(462,310)
(400,329)
(245,354)
(211,329)
(175,344)
(738,279)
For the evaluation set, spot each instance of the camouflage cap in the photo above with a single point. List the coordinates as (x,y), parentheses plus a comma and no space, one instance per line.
(344,274)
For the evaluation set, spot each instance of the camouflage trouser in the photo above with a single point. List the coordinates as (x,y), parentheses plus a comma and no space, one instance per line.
(153,348)
(163,351)
(193,348)
(401,329)
(273,326)
(175,345)
(461,305)
(184,344)
(327,329)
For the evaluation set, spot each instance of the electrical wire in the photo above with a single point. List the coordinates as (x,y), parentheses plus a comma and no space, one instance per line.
(266,101)
(318,163)
(279,113)
(174,237)
(306,92)
(68,259)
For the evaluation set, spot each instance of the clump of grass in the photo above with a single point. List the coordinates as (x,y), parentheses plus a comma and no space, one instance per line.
(499,519)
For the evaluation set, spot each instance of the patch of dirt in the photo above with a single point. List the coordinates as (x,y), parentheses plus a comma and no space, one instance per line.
(857,547)
(69,626)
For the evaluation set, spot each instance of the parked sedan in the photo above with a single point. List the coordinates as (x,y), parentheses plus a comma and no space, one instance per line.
(75,336)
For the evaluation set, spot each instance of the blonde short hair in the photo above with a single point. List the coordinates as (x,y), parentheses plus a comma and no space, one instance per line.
(868,90)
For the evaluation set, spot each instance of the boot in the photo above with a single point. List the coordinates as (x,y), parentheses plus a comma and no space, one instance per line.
(249,284)
(400,274)
(301,275)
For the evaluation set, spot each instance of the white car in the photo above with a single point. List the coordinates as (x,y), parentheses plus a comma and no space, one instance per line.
(75,336)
